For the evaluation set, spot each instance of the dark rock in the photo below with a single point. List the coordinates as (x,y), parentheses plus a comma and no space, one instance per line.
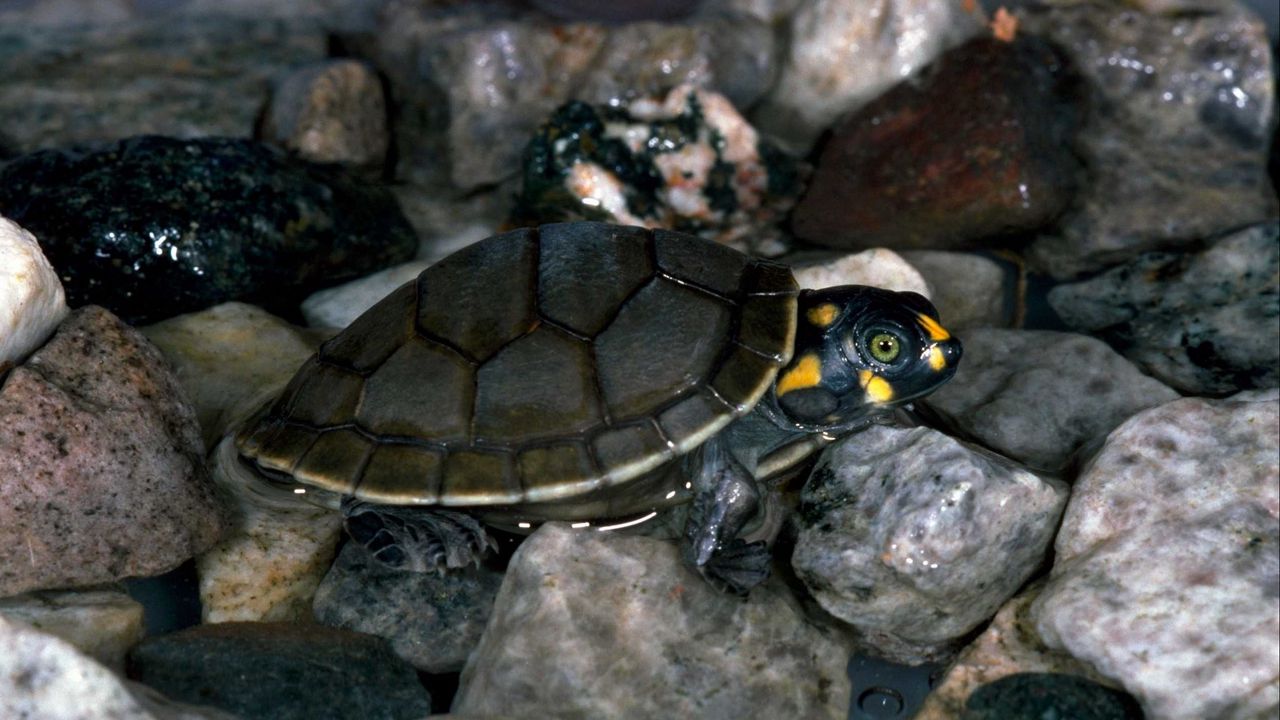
(101,465)
(281,671)
(1035,696)
(979,145)
(432,620)
(152,227)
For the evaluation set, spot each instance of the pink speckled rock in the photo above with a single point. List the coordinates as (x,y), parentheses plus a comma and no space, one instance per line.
(101,475)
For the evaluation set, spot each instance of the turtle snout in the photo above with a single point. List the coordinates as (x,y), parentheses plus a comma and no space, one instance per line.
(952,350)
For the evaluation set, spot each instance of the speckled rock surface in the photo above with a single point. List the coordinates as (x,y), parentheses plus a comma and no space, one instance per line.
(102,623)
(841,55)
(31,298)
(330,112)
(877,266)
(281,671)
(226,357)
(902,534)
(972,290)
(101,475)
(1175,144)
(999,393)
(1168,558)
(45,677)
(894,174)
(600,625)
(1207,323)
(151,227)
(432,620)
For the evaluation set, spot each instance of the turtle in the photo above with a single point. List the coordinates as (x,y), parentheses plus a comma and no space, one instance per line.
(589,373)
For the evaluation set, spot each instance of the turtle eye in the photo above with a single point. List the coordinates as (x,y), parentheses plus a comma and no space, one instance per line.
(884,347)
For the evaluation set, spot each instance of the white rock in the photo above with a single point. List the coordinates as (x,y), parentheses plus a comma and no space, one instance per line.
(969,290)
(337,306)
(103,623)
(31,299)
(878,266)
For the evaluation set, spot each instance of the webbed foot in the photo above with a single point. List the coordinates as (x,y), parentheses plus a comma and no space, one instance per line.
(738,567)
(416,539)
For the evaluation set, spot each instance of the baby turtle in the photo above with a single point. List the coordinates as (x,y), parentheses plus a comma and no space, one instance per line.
(587,372)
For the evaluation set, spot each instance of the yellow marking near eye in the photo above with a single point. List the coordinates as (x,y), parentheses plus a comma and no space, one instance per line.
(823,315)
(806,373)
(937,360)
(937,333)
(878,389)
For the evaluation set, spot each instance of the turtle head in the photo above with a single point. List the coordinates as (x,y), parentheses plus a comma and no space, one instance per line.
(861,349)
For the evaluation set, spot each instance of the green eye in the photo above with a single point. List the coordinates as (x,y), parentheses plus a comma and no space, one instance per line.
(884,347)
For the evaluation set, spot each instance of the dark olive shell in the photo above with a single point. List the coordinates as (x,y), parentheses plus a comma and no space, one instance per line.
(535,365)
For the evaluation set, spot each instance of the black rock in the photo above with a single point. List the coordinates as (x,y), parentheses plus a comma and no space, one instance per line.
(152,227)
(1036,696)
(281,671)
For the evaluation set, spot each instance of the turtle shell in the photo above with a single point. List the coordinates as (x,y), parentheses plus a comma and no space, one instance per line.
(535,365)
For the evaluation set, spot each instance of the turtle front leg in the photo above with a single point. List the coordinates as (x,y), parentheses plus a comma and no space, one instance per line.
(416,539)
(719,513)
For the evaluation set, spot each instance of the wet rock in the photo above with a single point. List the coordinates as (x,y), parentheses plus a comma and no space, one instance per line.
(152,227)
(281,671)
(186,76)
(102,623)
(1167,560)
(971,290)
(977,146)
(43,676)
(227,357)
(101,474)
(271,561)
(1009,646)
(687,161)
(602,625)
(1033,696)
(474,81)
(330,112)
(877,266)
(1175,141)
(31,298)
(1205,322)
(904,535)
(998,395)
(841,55)
(432,620)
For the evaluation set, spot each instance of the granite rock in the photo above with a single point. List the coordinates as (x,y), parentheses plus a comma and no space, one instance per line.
(972,290)
(43,676)
(999,394)
(903,534)
(894,173)
(101,470)
(152,227)
(31,298)
(432,620)
(330,112)
(591,624)
(281,671)
(877,266)
(101,623)
(1206,323)
(1182,109)
(840,55)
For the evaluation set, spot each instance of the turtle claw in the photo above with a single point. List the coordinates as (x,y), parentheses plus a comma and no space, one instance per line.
(738,568)
(417,539)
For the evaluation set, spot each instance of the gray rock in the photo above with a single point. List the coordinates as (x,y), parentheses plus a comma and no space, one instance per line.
(970,290)
(432,620)
(591,624)
(102,623)
(101,470)
(330,112)
(1207,323)
(1000,394)
(912,537)
(1175,143)
(1169,557)
(281,671)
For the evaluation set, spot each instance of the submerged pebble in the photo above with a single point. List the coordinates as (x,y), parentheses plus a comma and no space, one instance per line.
(330,112)
(101,622)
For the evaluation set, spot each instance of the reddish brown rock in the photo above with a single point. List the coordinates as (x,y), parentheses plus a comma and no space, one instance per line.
(978,145)
(101,475)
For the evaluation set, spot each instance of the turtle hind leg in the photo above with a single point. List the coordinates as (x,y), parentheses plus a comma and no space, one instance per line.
(711,542)
(416,539)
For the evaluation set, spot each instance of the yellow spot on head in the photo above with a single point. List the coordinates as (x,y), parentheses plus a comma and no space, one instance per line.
(878,389)
(805,373)
(937,360)
(823,315)
(937,333)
